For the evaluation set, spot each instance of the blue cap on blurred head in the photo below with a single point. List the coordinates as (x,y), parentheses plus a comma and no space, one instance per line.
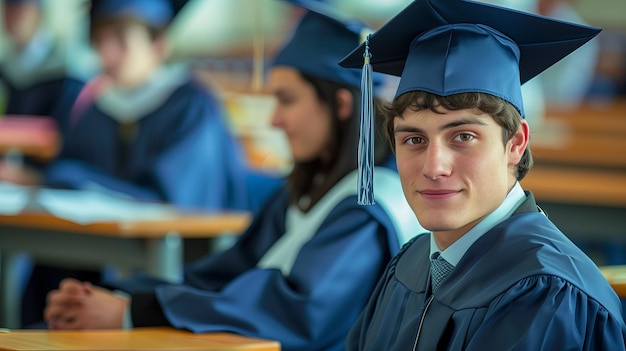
(155,13)
(447,47)
(322,38)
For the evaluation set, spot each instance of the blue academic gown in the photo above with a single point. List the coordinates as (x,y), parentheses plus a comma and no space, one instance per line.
(311,308)
(522,286)
(180,152)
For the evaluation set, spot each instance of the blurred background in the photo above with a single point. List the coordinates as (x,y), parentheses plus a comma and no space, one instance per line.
(230,44)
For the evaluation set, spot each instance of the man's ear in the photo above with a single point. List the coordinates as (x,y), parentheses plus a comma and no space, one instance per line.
(345,101)
(518,143)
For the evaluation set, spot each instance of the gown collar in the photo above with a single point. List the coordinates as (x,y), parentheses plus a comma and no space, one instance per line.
(131,105)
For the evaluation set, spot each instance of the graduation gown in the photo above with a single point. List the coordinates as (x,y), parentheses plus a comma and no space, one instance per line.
(172,144)
(521,286)
(311,304)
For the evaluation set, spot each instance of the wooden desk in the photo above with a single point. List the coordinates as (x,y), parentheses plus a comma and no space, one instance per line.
(34,136)
(131,340)
(591,135)
(151,244)
(616,275)
(592,117)
(588,205)
(581,186)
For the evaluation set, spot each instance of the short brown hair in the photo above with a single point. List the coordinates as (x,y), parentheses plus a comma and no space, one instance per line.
(122,22)
(505,114)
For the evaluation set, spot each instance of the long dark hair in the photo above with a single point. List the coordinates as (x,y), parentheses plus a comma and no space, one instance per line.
(312,180)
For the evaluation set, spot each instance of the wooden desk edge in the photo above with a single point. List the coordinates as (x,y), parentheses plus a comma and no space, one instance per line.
(616,276)
(187,225)
(131,340)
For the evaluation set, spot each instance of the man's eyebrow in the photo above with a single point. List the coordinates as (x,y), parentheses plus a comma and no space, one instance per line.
(463,121)
(452,124)
(407,129)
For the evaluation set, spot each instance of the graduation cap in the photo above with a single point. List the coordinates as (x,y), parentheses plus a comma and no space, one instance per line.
(448,47)
(322,38)
(155,13)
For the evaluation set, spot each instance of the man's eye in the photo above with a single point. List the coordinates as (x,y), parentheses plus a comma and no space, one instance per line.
(414,140)
(465,137)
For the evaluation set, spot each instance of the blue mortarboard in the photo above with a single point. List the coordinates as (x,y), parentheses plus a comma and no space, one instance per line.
(156,13)
(448,47)
(453,46)
(322,37)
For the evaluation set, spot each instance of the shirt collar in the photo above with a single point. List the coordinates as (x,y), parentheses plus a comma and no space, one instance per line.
(455,252)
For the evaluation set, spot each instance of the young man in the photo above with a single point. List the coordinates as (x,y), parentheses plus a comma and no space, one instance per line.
(147,129)
(495,273)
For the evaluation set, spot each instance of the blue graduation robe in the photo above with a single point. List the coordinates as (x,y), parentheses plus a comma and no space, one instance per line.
(179,151)
(522,286)
(309,308)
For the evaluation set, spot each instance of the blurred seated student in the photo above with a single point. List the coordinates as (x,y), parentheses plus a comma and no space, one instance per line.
(568,82)
(610,80)
(306,266)
(143,128)
(494,273)
(36,77)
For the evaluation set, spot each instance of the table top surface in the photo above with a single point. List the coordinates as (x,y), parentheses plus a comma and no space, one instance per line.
(34,136)
(101,213)
(187,225)
(616,275)
(130,340)
(577,185)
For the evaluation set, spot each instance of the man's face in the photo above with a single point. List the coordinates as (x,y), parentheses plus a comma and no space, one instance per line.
(21,22)
(127,53)
(454,167)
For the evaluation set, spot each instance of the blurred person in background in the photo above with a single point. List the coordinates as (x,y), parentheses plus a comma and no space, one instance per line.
(145,129)
(306,266)
(37,77)
(568,82)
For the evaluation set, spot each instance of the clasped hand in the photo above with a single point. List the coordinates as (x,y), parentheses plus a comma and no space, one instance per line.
(80,305)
